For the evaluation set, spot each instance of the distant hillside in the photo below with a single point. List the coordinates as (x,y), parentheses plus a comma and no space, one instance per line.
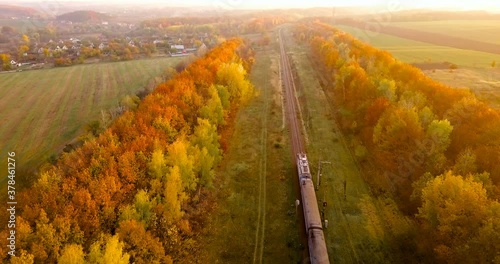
(83,16)
(8,11)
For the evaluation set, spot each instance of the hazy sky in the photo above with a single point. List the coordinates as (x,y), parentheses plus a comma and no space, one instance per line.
(384,4)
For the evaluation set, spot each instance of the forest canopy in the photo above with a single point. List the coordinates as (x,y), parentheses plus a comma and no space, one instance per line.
(135,193)
(434,150)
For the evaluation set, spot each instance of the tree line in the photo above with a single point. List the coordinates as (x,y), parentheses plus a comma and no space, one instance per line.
(139,191)
(426,149)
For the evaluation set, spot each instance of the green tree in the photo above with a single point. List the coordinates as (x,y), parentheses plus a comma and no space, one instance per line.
(129,213)
(426,116)
(438,133)
(205,136)
(387,88)
(208,154)
(466,163)
(224,96)
(213,109)
(94,128)
(130,102)
(143,206)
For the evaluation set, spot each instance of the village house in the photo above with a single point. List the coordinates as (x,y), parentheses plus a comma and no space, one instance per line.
(103,46)
(177,47)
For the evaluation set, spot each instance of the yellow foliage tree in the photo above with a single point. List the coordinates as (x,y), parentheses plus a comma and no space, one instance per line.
(174,196)
(112,253)
(178,156)
(456,209)
(23,258)
(72,254)
(233,76)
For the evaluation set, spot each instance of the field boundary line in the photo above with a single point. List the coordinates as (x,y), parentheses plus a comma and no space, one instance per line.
(261,219)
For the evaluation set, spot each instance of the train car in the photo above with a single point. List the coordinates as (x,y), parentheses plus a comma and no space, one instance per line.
(314,228)
(303,166)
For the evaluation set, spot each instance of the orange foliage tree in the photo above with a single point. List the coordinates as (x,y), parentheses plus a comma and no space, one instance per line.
(414,128)
(136,178)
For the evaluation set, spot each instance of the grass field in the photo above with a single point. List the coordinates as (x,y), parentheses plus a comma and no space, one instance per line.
(346,237)
(21,24)
(42,110)
(411,51)
(475,71)
(481,30)
(485,83)
(255,220)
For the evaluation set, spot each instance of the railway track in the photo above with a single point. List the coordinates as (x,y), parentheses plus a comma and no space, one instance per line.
(312,221)
(290,100)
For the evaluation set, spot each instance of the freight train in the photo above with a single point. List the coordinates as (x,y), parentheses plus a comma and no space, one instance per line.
(314,229)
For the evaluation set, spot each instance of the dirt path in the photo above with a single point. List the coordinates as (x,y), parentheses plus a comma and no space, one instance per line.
(254,221)
(261,218)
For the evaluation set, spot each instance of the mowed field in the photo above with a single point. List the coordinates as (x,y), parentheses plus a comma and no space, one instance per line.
(412,51)
(484,82)
(474,67)
(482,30)
(42,110)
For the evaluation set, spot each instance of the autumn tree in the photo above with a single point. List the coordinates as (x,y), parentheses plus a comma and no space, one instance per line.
(21,51)
(23,258)
(206,139)
(233,76)
(178,156)
(213,109)
(137,178)
(174,195)
(143,206)
(438,135)
(415,128)
(457,210)
(142,245)
(108,249)
(168,73)
(387,88)
(5,59)
(72,254)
